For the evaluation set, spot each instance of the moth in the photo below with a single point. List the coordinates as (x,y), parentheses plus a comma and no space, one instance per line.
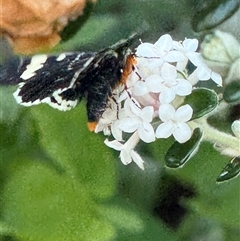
(63,80)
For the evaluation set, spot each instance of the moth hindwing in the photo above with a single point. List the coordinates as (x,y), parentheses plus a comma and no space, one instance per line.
(63,80)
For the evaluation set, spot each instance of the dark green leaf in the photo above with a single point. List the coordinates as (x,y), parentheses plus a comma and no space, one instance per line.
(179,153)
(232,92)
(211,13)
(202,101)
(230,170)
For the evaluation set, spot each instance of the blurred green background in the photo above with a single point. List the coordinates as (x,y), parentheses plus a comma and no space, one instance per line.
(60,182)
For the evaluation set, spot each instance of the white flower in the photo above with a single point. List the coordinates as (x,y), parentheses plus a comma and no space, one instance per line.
(202,72)
(187,47)
(166,83)
(150,57)
(174,122)
(165,47)
(109,120)
(220,50)
(138,120)
(159,76)
(108,117)
(151,84)
(127,154)
(171,85)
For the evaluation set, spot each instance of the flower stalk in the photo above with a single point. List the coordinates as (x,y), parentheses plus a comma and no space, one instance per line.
(226,143)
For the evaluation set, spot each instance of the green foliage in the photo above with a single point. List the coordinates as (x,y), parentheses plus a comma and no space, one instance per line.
(230,170)
(202,101)
(179,153)
(232,92)
(60,182)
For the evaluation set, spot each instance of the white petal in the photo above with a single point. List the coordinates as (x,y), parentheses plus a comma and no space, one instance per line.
(164,130)
(183,113)
(132,141)
(166,112)
(140,88)
(131,109)
(183,88)
(147,113)
(122,114)
(128,124)
(168,71)
(106,131)
(167,95)
(190,44)
(147,50)
(137,159)
(125,157)
(116,132)
(164,43)
(177,45)
(116,145)
(192,78)
(195,58)
(149,66)
(181,65)
(135,108)
(150,99)
(174,56)
(146,132)
(182,132)
(153,83)
(216,78)
(203,73)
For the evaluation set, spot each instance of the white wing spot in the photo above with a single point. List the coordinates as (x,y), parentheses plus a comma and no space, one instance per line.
(61,57)
(17,97)
(61,104)
(36,63)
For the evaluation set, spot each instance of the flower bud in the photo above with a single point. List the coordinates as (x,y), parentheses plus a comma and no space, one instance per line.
(236,128)
(220,50)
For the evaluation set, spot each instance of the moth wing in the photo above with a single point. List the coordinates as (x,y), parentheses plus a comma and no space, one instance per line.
(51,79)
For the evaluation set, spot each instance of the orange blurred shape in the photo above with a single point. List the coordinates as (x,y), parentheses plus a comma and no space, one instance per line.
(33,26)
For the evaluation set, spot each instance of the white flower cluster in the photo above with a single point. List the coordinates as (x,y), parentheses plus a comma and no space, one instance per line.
(145,106)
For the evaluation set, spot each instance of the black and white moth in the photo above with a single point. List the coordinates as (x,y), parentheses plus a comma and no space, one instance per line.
(62,81)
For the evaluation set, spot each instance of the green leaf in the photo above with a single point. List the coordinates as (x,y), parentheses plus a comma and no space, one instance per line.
(231,170)
(132,223)
(179,153)
(67,140)
(214,201)
(232,92)
(45,203)
(212,13)
(202,101)
(92,35)
(42,204)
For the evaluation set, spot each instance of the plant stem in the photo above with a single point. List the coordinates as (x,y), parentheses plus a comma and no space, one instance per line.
(227,143)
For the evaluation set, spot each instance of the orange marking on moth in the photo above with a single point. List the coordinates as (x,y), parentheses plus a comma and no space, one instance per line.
(129,66)
(92,125)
